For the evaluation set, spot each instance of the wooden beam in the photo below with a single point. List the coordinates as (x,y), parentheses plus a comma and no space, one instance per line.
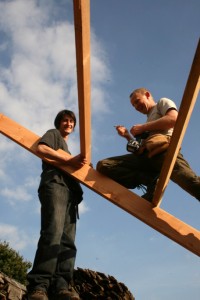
(82,39)
(155,217)
(185,111)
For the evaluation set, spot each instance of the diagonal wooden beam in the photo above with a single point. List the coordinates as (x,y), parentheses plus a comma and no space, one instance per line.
(82,39)
(160,220)
(185,111)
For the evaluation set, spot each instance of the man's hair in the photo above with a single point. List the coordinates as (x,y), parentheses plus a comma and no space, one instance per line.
(60,116)
(140,90)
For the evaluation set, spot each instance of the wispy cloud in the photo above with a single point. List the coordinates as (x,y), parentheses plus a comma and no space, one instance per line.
(16,237)
(19,193)
(40,78)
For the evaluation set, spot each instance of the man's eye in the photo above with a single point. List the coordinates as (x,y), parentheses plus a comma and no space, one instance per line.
(136,102)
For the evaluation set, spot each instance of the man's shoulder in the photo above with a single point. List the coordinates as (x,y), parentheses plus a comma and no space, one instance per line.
(53,130)
(52,138)
(166,100)
(166,103)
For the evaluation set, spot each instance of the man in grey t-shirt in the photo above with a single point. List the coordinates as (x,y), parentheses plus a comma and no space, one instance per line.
(59,195)
(133,170)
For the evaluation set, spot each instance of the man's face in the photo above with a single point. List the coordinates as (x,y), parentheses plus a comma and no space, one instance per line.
(140,102)
(66,126)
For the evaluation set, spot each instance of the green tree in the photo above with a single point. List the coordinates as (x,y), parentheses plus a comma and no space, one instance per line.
(12,264)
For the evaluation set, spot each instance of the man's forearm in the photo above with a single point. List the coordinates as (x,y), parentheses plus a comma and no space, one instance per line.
(52,154)
(163,123)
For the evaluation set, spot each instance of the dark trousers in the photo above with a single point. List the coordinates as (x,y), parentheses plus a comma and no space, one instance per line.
(131,170)
(55,256)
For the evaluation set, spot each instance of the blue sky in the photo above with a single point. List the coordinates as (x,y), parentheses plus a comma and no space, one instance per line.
(133,44)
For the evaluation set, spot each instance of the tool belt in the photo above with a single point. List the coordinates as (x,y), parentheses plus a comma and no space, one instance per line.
(155,144)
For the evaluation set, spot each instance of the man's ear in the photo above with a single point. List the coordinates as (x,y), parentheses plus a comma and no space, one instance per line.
(147,94)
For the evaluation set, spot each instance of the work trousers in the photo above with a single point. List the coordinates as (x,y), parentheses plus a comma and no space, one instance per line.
(131,170)
(55,256)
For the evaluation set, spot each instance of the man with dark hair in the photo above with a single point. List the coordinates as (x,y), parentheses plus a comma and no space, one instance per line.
(144,165)
(59,196)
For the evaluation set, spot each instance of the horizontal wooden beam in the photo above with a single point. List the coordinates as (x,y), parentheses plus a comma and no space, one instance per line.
(82,39)
(155,217)
(185,111)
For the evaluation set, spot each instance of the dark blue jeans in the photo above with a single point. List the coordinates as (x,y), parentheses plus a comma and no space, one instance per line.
(55,256)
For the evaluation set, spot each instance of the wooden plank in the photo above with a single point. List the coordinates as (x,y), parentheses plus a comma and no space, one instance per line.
(185,111)
(82,39)
(155,217)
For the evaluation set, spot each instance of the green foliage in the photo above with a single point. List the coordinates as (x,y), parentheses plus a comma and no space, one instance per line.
(12,264)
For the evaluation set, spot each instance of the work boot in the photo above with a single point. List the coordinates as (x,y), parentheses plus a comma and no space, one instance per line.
(38,295)
(69,294)
(150,190)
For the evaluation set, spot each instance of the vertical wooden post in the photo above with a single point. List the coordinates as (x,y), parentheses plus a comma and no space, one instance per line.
(82,39)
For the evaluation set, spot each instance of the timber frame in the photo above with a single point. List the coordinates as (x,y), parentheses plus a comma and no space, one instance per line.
(151,214)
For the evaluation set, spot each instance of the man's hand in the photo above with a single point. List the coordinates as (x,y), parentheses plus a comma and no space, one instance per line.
(77,161)
(123,131)
(137,129)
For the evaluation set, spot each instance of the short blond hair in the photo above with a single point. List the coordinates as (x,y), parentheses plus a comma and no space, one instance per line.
(140,90)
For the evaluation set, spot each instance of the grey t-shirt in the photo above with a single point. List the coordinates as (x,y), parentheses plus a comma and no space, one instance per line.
(160,110)
(54,140)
